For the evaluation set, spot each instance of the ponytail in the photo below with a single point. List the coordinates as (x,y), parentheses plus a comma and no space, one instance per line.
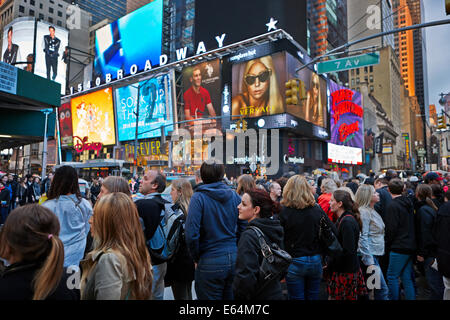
(357,215)
(431,204)
(48,277)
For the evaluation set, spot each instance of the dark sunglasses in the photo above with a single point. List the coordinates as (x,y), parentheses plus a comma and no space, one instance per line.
(262,77)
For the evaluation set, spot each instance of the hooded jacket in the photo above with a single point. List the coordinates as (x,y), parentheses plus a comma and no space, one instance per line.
(442,234)
(247,283)
(385,199)
(400,236)
(212,225)
(425,219)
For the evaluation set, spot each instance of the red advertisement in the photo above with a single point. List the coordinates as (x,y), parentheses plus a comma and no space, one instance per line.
(65,125)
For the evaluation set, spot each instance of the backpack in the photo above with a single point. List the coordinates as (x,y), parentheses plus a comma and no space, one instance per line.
(166,240)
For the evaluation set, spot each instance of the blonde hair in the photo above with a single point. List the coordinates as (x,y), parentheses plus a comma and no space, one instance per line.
(117,227)
(275,100)
(364,195)
(352,195)
(329,185)
(184,187)
(297,193)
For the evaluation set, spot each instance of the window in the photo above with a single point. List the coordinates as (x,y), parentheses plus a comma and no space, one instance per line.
(357,72)
(50,19)
(366,78)
(371,68)
(371,88)
(32,2)
(21,9)
(41,16)
(371,78)
(365,69)
(353,72)
(357,89)
(353,82)
(50,10)
(41,6)
(59,23)
(31,12)
(59,14)
(357,80)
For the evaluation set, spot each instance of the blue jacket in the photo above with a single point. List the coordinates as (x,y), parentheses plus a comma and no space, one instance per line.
(73,216)
(212,226)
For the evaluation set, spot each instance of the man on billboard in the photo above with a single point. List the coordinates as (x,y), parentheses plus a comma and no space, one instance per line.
(12,52)
(51,49)
(196,98)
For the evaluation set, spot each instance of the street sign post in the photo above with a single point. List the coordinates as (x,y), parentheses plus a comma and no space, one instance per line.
(362,60)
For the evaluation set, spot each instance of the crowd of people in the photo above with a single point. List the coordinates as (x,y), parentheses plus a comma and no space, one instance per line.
(391,230)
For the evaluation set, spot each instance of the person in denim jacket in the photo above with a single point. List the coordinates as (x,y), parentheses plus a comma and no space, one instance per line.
(371,241)
(73,212)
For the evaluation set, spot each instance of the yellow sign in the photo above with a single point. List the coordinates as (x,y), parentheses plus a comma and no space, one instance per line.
(148,148)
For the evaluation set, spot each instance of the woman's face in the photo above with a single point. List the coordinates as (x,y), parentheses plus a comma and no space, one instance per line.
(375,197)
(315,87)
(334,205)
(103,191)
(257,79)
(246,210)
(174,194)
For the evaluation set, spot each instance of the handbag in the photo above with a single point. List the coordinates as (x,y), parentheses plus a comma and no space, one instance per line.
(328,240)
(275,261)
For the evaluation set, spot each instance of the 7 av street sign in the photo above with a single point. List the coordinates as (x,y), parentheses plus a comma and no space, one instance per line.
(362,60)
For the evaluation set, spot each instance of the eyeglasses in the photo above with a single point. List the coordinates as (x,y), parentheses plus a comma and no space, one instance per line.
(262,77)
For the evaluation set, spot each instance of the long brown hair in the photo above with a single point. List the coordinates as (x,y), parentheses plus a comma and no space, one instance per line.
(31,233)
(423,193)
(245,183)
(116,227)
(348,204)
(117,184)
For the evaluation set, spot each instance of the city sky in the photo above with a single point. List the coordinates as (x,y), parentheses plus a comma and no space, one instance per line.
(438,48)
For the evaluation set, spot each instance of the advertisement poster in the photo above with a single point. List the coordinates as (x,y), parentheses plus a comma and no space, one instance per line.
(93,117)
(202,94)
(258,87)
(131,40)
(51,41)
(313,106)
(65,125)
(344,155)
(155,108)
(346,117)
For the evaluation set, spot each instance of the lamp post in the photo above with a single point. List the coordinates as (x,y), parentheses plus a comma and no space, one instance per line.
(44,152)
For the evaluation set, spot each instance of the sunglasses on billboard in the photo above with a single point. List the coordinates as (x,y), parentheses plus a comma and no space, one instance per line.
(262,77)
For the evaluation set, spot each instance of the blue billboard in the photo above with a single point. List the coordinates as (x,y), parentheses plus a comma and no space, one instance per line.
(134,39)
(155,108)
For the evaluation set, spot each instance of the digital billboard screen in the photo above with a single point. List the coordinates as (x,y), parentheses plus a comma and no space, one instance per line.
(130,40)
(257,86)
(155,108)
(51,41)
(65,125)
(344,155)
(93,117)
(201,94)
(312,107)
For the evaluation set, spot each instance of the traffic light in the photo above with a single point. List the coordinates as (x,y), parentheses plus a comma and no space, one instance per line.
(442,123)
(292,90)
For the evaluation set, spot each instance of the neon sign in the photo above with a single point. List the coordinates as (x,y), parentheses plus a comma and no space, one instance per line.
(83,145)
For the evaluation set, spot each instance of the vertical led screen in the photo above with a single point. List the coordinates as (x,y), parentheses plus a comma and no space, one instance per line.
(131,40)
(201,94)
(65,125)
(346,123)
(257,87)
(155,108)
(312,106)
(51,41)
(93,117)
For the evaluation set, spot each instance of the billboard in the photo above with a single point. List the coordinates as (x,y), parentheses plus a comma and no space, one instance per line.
(344,155)
(155,108)
(65,125)
(93,117)
(346,116)
(257,86)
(51,41)
(202,93)
(252,17)
(313,106)
(134,39)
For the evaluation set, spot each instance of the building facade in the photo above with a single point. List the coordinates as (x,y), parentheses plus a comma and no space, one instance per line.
(102,9)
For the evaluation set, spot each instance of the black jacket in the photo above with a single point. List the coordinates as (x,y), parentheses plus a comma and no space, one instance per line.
(385,199)
(425,220)
(182,267)
(5,195)
(400,233)
(442,235)
(150,212)
(301,230)
(16,283)
(348,236)
(246,282)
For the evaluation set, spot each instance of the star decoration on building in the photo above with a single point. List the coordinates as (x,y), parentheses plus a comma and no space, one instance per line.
(271,24)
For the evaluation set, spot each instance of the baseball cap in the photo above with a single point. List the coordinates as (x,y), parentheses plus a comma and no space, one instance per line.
(433,176)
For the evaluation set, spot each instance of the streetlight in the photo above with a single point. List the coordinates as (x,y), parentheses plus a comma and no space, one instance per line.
(44,153)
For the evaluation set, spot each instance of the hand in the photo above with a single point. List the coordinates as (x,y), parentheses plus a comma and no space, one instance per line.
(420,259)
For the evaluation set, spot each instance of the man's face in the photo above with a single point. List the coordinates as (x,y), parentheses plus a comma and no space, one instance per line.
(10,177)
(276,189)
(147,185)
(4,180)
(196,78)
(52,32)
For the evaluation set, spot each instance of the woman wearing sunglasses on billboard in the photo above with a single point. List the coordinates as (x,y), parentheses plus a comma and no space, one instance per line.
(314,109)
(260,93)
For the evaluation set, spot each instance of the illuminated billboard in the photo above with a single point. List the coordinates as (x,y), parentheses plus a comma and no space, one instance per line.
(65,125)
(155,108)
(133,41)
(344,155)
(93,117)
(201,94)
(51,41)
